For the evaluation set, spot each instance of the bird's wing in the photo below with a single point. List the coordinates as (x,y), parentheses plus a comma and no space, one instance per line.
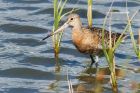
(114,36)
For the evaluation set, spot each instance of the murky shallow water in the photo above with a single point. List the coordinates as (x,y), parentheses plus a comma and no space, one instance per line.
(27,64)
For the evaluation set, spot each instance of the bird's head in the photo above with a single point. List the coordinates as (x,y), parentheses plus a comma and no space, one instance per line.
(73,20)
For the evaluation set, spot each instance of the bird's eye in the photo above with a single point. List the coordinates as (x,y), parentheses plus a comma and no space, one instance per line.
(71,19)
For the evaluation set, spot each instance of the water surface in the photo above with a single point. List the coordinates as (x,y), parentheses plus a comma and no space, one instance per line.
(27,64)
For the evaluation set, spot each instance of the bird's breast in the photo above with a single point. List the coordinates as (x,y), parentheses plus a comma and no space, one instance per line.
(77,39)
(84,42)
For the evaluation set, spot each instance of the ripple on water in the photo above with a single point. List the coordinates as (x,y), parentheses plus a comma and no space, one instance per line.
(123,4)
(25,42)
(27,1)
(23,8)
(21,90)
(81,12)
(137,63)
(27,73)
(48,62)
(66,50)
(27,65)
(22,29)
(123,25)
(76,1)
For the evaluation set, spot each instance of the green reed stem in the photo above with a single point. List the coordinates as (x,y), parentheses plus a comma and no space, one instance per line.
(135,46)
(58,9)
(109,54)
(89,13)
(138,43)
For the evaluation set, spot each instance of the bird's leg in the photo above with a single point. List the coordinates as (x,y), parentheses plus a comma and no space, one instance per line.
(92,59)
(96,61)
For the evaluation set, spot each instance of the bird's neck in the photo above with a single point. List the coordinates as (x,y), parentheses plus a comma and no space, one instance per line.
(77,33)
(77,27)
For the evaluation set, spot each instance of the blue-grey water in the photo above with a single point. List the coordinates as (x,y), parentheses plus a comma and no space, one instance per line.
(27,64)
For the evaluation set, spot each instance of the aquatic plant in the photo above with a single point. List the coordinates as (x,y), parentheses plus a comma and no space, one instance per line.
(58,15)
(138,41)
(135,45)
(89,13)
(109,53)
(58,9)
(69,83)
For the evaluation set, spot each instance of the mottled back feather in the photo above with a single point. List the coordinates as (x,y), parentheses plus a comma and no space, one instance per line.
(114,36)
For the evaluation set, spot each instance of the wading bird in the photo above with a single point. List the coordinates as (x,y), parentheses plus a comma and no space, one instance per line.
(87,40)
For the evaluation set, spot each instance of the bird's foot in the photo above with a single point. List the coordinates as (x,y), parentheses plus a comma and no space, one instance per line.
(96,65)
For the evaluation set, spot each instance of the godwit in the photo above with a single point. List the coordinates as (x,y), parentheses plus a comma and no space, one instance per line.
(87,40)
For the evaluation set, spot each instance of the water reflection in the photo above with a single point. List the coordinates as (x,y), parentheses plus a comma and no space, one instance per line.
(94,81)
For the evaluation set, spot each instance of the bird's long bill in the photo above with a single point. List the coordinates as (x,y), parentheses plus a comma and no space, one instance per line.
(57,31)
